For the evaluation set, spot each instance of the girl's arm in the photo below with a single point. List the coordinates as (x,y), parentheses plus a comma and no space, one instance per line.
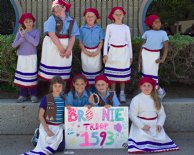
(18,40)
(161,117)
(99,49)
(128,37)
(70,46)
(140,56)
(105,53)
(161,60)
(43,122)
(33,41)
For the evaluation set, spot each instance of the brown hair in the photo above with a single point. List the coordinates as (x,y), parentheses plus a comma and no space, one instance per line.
(54,80)
(154,95)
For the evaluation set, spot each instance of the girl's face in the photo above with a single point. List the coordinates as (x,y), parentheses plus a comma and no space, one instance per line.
(146,88)
(156,24)
(57,88)
(90,18)
(59,11)
(79,86)
(101,86)
(118,16)
(28,23)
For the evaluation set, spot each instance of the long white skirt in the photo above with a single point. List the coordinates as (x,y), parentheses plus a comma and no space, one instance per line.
(149,65)
(117,67)
(48,145)
(91,66)
(26,71)
(52,64)
(142,142)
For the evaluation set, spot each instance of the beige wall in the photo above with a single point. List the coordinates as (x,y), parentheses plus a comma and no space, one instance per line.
(41,10)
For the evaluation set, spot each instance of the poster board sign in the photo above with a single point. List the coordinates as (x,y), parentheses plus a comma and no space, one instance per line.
(97,127)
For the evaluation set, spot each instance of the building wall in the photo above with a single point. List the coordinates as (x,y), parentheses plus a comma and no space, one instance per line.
(41,10)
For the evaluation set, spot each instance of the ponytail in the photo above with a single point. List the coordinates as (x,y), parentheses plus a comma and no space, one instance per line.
(154,96)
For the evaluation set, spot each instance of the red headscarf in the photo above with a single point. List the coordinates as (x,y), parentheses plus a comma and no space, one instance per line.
(25,16)
(150,19)
(110,16)
(102,77)
(93,10)
(62,3)
(81,77)
(148,80)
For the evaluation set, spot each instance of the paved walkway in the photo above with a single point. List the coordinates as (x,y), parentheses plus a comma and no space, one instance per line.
(15,145)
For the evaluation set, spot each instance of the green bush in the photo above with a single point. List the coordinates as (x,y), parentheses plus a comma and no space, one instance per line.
(178,67)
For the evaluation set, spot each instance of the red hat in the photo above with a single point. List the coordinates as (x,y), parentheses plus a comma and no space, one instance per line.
(62,3)
(81,77)
(102,77)
(150,19)
(148,80)
(25,16)
(110,16)
(93,10)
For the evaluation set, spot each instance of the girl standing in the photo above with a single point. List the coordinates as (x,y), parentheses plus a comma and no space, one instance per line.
(79,94)
(27,39)
(118,51)
(61,30)
(149,57)
(91,41)
(147,115)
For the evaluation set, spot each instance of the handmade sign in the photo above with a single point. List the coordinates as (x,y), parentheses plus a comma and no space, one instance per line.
(97,127)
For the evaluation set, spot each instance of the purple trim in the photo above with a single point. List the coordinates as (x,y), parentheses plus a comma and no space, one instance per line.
(59,74)
(116,69)
(19,79)
(40,153)
(27,74)
(151,76)
(94,73)
(152,143)
(54,67)
(50,149)
(117,76)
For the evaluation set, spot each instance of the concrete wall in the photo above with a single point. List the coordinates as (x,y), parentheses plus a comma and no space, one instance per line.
(22,118)
(41,10)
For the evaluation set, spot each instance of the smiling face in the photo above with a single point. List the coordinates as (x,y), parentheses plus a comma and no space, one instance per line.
(156,24)
(146,88)
(101,86)
(79,86)
(90,18)
(28,23)
(118,16)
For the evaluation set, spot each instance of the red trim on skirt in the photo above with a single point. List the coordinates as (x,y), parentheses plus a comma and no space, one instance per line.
(19,85)
(151,50)
(59,36)
(41,77)
(91,48)
(148,118)
(49,123)
(128,81)
(118,46)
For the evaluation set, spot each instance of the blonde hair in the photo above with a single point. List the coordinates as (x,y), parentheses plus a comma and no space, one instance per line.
(56,8)
(96,21)
(154,95)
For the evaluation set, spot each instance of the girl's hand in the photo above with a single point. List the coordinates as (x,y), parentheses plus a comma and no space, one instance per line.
(131,61)
(107,106)
(88,53)
(95,53)
(61,52)
(50,133)
(158,61)
(158,127)
(88,106)
(91,99)
(68,107)
(67,53)
(105,58)
(146,128)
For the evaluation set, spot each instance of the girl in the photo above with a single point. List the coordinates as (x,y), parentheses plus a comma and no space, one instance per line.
(51,116)
(103,96)
(26,41)
(79,94)
(118,51)
(91,41)
(61,30)
(154,40)
(148,117)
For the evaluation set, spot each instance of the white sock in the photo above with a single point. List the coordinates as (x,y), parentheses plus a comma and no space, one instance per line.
(122,92)
(160,91)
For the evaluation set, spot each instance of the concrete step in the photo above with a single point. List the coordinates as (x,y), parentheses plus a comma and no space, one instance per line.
(22,118)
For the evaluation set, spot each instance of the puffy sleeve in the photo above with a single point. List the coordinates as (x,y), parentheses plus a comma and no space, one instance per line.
(133,113)
(75,30)
(165,37)
(69,99)
(128,38)
(50,25)
(106,41)
(144,36)
(43,103)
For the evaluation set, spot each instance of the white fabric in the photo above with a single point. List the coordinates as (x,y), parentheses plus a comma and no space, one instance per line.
(51,57)
(149,65)
(44,141)
(118,64)
(26,70)
(118,35)
(142,105)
